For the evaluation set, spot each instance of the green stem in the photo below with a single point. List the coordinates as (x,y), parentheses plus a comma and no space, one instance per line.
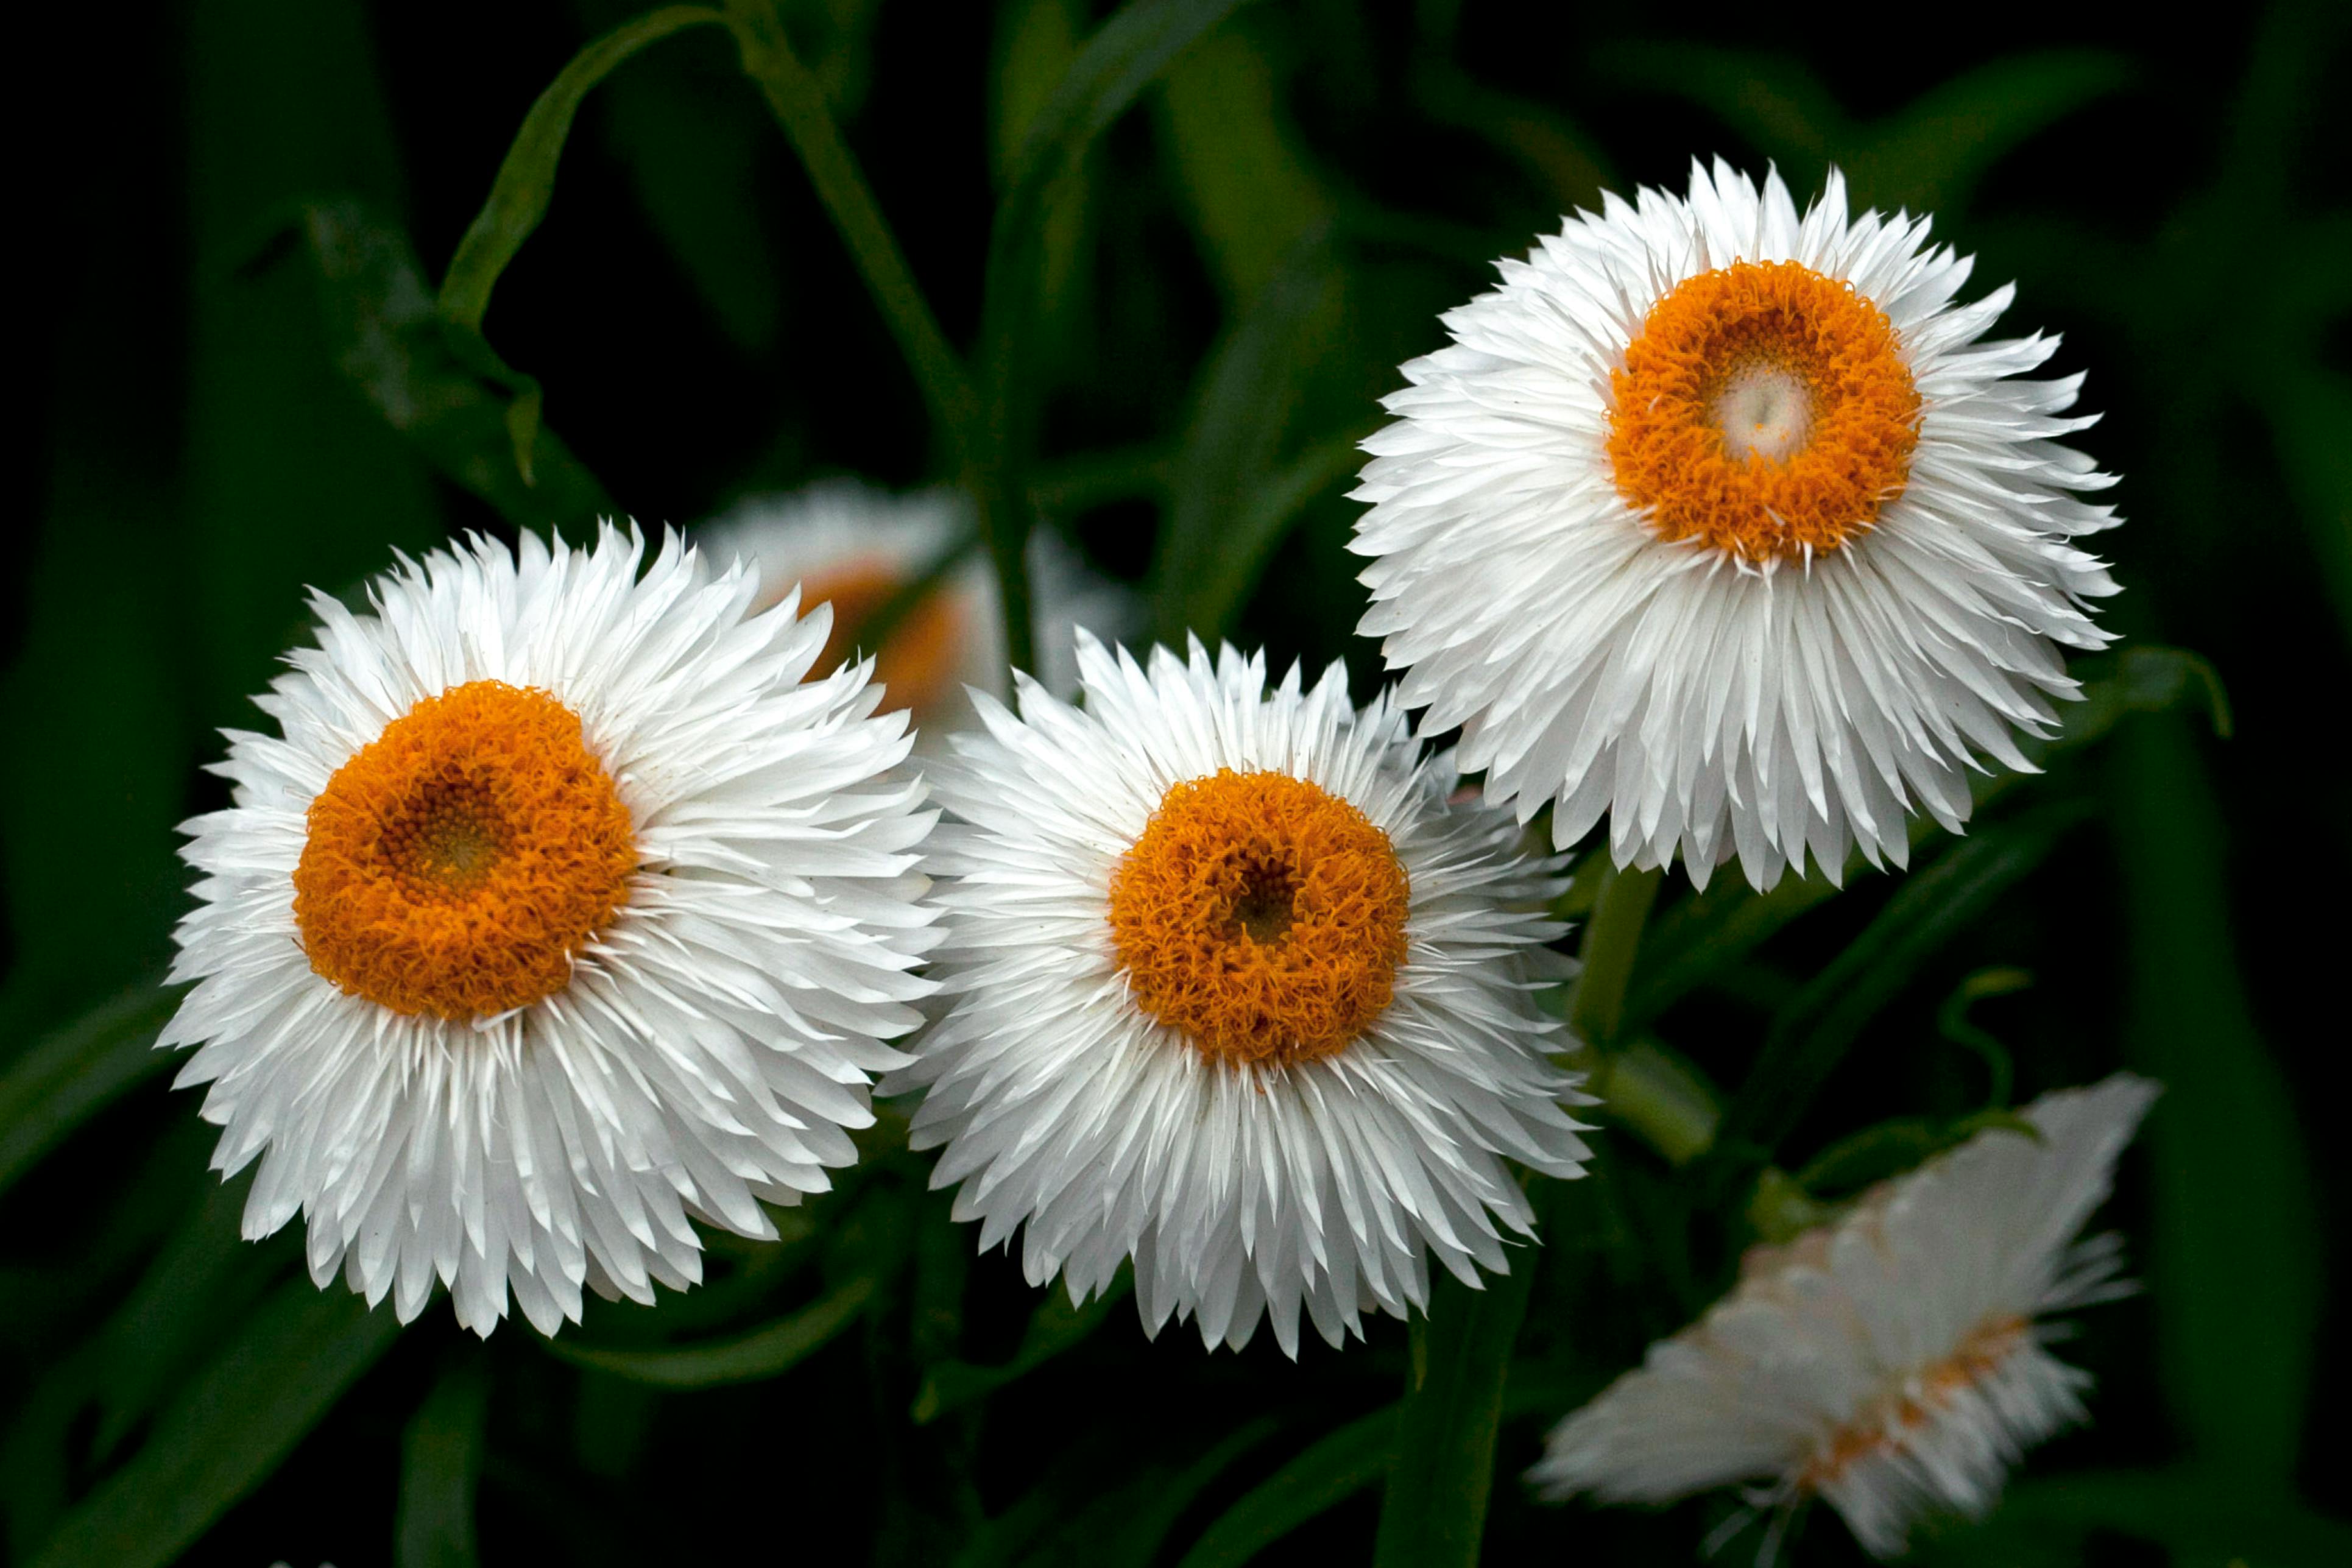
(1620,909)
(1668,1105)
(797,101)
(1434,1508)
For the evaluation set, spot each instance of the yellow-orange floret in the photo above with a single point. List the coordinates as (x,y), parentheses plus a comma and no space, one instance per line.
(1261,916)
(1925,1396)
(1776,336)
(916,660)
(457,863)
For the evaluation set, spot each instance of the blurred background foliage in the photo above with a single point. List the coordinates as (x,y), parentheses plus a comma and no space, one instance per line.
(1164,326)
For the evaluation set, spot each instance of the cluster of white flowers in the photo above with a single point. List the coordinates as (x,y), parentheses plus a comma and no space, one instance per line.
(580,898)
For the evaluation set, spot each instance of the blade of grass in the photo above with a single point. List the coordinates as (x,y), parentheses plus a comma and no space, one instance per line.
(797,100)
(1122,58)
(1433,1511)
(1813,1034)
(2233,1262)
(1333,1468)
(526,180)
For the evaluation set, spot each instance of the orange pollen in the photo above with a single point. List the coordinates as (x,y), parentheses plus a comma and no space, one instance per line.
(1260,916)
(1765,410)
(455,864)
(916,660)
(1887,1424)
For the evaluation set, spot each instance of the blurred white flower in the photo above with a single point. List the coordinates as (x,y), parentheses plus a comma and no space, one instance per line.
(855,547)
(1721,521)
(565,913)
(1895,1362)
(1236,994)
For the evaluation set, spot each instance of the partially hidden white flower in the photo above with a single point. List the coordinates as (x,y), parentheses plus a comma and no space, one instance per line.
(1725,521)
(1236,994)
(563,912)
(850,544)
(1895,1362)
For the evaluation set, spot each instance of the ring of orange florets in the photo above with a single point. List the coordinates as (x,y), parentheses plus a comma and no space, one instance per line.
(916,662)
(1261,916)
(1666,446)
(457,863)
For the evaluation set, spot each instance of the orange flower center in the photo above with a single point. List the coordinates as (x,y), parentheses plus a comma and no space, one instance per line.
(917,661)
(1887,1425)
(455,864)
(1260,916)
(1765,410)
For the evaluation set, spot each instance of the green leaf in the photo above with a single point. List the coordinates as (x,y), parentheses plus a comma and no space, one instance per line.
(1138,1522)
(1613,937)
(440,1461)
(1811,1035)
(2311,422)
(203,1276)
(1898,1144)
(1224,516)
(1569,171)
(764,1353)
(1253,197)
(1433,1511)
(1333,1468)
(526,180)
(2233,1257)
(798,102)
(2201,1515)
(71,1074)
(1709,931)
(1054,1325)
(1123,58)
(1665,1099)
(1931,155)
(434,382)
(228,1431)
(695,161)
(1953,1023)
(1927,157)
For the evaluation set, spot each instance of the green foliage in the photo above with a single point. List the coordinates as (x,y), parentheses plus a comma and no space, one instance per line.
(1334,1467)
(240,1415)
(78,1071)
(765,1353)
(1055,1326)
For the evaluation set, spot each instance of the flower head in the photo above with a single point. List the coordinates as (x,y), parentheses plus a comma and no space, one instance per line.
(1894,1363)
(1722,521)
(844,542)
(1237,994)
(561,914)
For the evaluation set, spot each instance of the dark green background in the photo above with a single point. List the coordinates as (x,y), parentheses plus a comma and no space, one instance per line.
(1252,251)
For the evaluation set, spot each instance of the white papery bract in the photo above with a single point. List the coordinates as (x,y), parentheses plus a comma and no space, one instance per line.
(1240,1191)
(715,1040)
(1710,700)
(1895,1362)
(843,534)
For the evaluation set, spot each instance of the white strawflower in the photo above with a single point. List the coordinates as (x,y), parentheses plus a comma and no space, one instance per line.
(564,913)
(847,543)
(1721,521)
(1895,1362)
(1237,994)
